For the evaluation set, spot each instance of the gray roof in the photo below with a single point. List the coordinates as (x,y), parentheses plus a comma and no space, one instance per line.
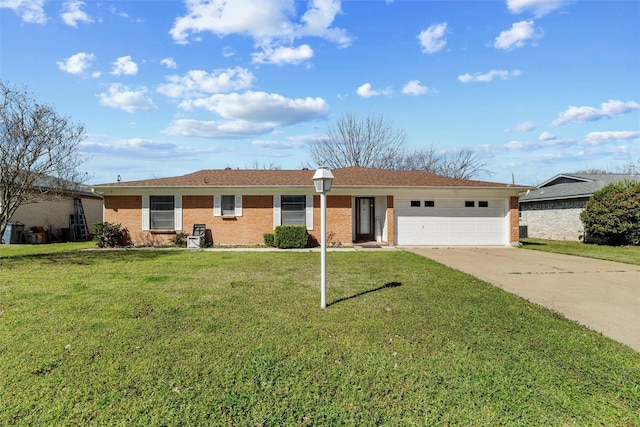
(574,186)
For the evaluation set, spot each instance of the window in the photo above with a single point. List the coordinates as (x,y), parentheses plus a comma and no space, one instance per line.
(228,205)
(429,203)
(483,204)
(469,204)
(161,212)
(293,210)
(415,203)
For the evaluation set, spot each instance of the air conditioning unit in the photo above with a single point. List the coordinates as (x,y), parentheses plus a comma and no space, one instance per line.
(193,242)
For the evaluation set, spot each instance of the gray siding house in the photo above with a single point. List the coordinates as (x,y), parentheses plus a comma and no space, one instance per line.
(552,210)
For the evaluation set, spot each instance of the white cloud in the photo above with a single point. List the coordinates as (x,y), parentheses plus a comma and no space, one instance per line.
(535,145)
(77,64)
(247,115)
(413,87)
(432,39)
(121,97)
(608,109)
(488,77)
(261,107)
(283,55)
(366,91)
(288,144)
(517,36)
(30,11)
(265,22)
(236,129)
(546,136)
(597,138)
(169,63)
(538,7)
(199,82)
(72,14)
(526,126)
(124,66)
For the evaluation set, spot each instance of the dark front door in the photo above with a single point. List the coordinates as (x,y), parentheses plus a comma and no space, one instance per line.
(365,224)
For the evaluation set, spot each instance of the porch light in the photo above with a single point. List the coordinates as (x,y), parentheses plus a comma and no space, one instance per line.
(322,179)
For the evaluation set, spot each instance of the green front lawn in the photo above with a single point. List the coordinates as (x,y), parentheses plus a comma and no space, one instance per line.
(165,337)
(626,254)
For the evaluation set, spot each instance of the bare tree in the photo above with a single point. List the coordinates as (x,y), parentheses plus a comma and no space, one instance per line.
(370,142)
(256,165)
(373,142)
(38,152)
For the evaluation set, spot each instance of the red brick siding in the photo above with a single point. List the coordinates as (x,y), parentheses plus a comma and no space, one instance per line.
(126,211)
(513,211)
(339,224)
(256,219)
(390,221)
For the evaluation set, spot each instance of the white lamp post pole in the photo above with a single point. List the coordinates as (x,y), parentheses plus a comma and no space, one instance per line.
(322,179)
(323,250)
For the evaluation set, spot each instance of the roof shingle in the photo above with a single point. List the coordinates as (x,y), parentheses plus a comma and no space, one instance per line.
(351,176)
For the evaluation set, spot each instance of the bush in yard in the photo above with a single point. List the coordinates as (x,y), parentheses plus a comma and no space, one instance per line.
(108,235)
(612,215)
(269,239)
(291,236)
(180,239)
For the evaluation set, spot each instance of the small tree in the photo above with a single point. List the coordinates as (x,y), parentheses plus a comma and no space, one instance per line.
(38,152)
(612,215)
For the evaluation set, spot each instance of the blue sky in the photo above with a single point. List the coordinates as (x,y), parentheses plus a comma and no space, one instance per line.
(534,87)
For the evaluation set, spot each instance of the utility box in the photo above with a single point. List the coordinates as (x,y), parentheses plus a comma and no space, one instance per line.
(13,233)
(193,242)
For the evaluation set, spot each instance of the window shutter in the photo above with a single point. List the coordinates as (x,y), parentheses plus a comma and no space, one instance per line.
(238,206)
(145,213)
(309,212)
(217,209)
(276,211)
(177,212)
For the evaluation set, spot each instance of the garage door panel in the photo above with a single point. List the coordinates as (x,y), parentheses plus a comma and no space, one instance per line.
(451,223)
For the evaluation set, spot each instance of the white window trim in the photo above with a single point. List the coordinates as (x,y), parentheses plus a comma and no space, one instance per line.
(146,219)
(177,212)
(217,205)
(277,211)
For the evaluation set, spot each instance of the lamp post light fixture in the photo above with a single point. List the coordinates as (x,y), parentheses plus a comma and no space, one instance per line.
(322,179)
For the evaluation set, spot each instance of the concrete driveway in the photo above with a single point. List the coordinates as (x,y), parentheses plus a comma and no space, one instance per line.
(603,295)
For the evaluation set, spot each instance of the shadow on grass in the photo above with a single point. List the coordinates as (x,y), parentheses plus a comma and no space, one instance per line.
(530,243)
(385,286)
(89,256)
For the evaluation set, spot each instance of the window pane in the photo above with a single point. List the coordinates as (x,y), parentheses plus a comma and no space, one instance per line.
(292,210)
(429,203)
(470,204)
(415,203)
(161,212)
(483,204)
(228,205)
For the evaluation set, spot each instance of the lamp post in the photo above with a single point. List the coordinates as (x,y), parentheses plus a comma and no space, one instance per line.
(322,179)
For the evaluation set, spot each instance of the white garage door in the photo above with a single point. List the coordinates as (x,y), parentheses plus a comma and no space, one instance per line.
(452,222)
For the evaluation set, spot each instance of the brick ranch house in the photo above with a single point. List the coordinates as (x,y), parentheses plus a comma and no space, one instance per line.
(390,207)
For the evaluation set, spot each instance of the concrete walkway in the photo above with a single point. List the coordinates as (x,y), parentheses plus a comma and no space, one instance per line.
(602,295)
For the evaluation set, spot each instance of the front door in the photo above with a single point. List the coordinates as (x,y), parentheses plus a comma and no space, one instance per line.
(365,225)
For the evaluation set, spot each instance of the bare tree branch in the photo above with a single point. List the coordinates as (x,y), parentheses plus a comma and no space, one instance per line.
(373,142)
(39,157)
(370,142)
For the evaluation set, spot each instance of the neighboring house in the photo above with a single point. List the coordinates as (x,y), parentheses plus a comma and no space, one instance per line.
(54,215)
(552,210)
(390,207)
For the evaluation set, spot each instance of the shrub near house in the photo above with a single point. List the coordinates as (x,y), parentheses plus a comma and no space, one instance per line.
(612,215)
